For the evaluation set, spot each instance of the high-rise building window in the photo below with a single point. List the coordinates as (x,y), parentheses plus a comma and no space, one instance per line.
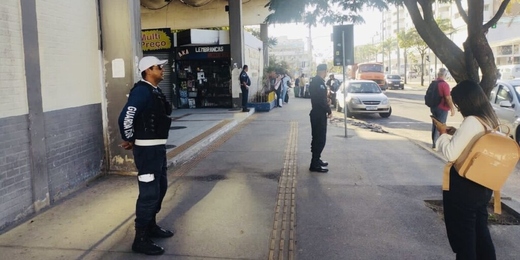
(505,50)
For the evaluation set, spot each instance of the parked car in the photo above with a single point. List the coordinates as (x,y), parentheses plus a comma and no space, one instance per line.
(505,100)
(412,74)
(362,97)
(508,72)
(394,81)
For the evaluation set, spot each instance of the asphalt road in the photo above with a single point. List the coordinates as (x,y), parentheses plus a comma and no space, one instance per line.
(410,116)
(411,119)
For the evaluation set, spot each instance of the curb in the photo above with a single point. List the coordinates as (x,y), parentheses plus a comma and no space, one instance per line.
(209,137)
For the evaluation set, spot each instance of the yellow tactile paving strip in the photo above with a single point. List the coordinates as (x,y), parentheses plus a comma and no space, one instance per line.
(282,244)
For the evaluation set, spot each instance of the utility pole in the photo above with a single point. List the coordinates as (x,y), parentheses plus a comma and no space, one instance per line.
(397,43)
(436,18)
(383,38)
(309,42)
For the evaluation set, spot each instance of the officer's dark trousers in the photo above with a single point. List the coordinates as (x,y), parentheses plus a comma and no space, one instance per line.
(466,217)
(150,160)
(319,133)
(245,97)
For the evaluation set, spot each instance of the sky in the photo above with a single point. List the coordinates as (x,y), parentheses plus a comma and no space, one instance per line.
(321,34)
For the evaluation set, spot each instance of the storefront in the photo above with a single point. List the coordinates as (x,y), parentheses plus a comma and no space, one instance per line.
(204,76)
(159,43)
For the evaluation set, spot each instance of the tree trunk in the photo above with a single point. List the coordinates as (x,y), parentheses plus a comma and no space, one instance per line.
(405,66)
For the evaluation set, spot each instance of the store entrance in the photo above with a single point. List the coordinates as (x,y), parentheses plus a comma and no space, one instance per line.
(205,83)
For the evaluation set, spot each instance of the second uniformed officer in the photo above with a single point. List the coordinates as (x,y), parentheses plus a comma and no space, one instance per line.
(319,113)
(144,126)
(245,82)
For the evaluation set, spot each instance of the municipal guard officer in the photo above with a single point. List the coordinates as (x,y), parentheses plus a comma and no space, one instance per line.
(245,82)
(144,125)
(319,113)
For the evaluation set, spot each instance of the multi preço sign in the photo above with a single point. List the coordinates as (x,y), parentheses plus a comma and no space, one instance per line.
(156,39)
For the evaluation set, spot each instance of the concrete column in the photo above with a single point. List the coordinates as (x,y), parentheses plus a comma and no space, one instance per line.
(236,36)
(36,120)
(121,40)
(264,36)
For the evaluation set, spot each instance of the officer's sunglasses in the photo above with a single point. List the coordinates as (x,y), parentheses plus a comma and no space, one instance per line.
(159,66)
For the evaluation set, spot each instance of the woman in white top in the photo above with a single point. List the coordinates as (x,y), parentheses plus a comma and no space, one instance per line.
(278,89)
(465,204)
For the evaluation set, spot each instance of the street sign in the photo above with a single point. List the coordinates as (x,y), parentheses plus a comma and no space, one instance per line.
(343,41)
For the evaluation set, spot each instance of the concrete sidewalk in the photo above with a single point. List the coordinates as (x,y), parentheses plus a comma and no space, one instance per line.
(249,195)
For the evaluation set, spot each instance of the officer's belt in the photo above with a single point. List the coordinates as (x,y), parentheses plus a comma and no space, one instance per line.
(149,142)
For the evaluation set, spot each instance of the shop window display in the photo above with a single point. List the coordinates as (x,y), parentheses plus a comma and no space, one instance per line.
(204,79)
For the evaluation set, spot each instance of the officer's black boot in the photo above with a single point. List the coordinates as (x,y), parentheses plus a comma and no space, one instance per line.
(316,166)
(324,163)
(158,232)
(144,245)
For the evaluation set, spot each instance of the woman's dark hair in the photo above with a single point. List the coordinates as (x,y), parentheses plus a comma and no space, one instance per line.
(470,99)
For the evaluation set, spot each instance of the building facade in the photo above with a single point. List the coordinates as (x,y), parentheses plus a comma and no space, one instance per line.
(294,53)
(51,137)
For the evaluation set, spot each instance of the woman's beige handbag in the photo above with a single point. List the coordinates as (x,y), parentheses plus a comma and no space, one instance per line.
(488,162)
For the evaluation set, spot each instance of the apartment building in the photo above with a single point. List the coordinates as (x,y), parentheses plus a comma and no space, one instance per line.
(294,53)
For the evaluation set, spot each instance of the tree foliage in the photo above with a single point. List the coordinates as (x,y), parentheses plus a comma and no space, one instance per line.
(463,63)
(412,40)
(365,53)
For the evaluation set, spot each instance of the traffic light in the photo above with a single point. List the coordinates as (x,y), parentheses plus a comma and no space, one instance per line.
(338,33)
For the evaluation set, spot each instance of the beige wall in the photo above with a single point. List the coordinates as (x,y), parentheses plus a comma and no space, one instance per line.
(179,16)
(253,57)
(13,89)
(69,56)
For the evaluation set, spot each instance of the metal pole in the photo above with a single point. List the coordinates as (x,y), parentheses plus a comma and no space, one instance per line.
(344,79)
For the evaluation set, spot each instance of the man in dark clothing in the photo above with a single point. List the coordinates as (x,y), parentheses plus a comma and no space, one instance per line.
(319,113)
(333,85)
(144,125)
(245,82)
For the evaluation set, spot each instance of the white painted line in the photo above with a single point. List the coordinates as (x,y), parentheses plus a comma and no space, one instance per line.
(416,122)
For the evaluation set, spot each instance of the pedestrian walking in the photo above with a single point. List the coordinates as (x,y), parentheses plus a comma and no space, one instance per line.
(302,86)
(446,104)
(285,87)
(245,82)
(333,85)
(319,113)
(278,89)
(144,125)
(465,203)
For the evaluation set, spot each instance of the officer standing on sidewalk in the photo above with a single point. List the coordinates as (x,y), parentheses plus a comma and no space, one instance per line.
(144,125)
(319,113)
(245,82)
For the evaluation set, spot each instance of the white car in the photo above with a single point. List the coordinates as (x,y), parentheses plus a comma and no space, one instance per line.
(362,97)
(505,100)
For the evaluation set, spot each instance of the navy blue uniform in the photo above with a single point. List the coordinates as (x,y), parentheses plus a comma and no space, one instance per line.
(318,115)
(144,121)
(244,80)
